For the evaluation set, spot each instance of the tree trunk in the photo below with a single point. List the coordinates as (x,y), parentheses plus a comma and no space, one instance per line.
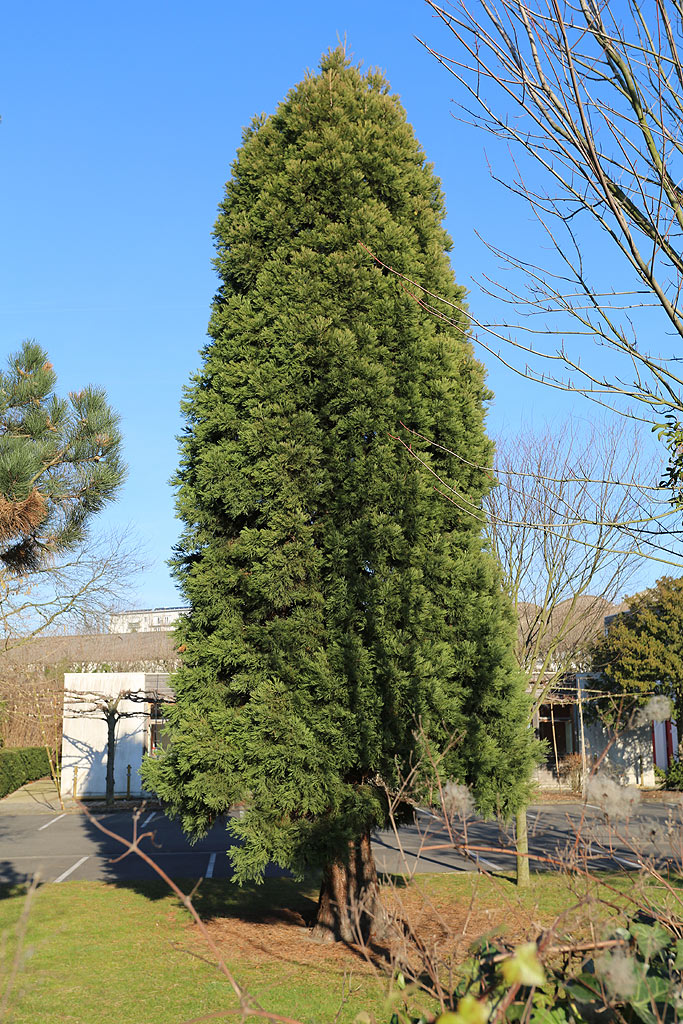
(111,751)
(522,845)
(349,907)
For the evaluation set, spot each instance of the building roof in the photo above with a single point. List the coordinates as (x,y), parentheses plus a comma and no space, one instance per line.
(578,625)
(146,611)
(119,651)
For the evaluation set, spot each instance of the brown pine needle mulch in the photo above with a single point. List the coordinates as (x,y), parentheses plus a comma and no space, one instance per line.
(445,915)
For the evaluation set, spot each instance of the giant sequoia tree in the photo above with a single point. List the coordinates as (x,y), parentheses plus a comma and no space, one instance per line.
(342,613)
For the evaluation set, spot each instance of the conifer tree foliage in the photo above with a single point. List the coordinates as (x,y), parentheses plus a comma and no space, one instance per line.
(342,613)
(641,653)
(60,461)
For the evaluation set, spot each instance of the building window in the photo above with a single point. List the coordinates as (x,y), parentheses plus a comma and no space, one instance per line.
(556,725)
(155,739)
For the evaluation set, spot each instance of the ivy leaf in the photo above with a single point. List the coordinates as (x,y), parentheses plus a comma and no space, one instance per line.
(650,989)
(545,1015)
(585,987)
(469,1011)
(650,938)
(524,966)
(515,1012)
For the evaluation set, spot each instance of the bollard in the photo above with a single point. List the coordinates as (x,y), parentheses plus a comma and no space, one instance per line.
(75,781)
(128,784)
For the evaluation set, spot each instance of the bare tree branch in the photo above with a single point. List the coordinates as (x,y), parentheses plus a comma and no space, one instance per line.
(76,593)
(588,97)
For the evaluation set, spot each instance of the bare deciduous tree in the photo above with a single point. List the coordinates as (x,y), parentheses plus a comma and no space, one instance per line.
(109,708)
(35,703)
(564,523)
(589,98)
(74,593)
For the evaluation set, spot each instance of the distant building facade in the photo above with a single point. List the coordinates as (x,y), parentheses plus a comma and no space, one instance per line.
(573,740)
(632,755)
(142,696)
(145,620)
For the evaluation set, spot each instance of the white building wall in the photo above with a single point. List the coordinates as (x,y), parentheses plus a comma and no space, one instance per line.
(630,759)
(84,740)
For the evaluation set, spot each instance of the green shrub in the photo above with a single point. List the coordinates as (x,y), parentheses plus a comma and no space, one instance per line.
(21,764)
(674,776)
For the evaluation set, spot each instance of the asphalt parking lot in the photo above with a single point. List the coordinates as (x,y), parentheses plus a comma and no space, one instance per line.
(69,846)
(654,833)
(59,847)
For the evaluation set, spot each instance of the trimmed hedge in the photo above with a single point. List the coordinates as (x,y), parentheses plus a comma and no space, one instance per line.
(21,764)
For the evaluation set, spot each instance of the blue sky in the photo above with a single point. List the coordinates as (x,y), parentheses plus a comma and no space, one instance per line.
(120,123)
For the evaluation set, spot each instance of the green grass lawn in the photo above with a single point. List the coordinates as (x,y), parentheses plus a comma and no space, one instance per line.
(106,954)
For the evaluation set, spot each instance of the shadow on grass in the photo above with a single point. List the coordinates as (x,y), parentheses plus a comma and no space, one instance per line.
(264,924)
(10,891)
(276,901)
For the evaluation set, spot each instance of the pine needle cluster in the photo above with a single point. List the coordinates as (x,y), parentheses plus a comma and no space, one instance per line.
(60,461)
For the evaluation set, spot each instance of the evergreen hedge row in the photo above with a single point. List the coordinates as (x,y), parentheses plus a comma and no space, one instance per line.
(20,765)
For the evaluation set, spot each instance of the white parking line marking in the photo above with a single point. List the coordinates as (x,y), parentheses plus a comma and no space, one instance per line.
(148,819)
(61,856)
(48,823)
(628,863)
(209,870)
(65,874)
(488,863)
